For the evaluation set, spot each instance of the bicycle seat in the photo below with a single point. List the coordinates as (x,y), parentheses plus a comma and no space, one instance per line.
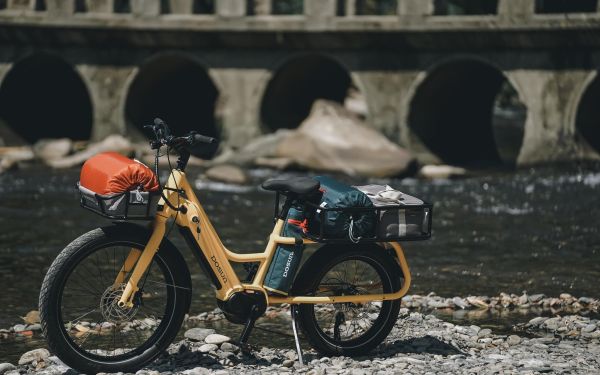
(297,185)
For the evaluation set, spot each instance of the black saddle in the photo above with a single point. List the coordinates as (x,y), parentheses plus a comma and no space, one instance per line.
(296,185)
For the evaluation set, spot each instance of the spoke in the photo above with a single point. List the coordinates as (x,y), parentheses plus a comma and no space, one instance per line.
(86,314)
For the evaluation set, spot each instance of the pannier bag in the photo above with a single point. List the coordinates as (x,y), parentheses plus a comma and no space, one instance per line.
(115,186)
(286,259)
(402,221)
(341,222)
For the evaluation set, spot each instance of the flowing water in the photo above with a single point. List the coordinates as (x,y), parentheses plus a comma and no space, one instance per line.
(496,231)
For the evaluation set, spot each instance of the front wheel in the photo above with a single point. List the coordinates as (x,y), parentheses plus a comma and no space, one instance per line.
(80,317)
(349,329)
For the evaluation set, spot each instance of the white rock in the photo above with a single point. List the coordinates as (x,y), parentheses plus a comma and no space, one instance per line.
(441,171)
(334,139)
(227,173)
(198,334)
(215,338)
(34,355)
(208,348)
(4,367)
(51,149)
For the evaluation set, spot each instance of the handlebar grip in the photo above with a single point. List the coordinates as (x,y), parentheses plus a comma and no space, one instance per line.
(199,138)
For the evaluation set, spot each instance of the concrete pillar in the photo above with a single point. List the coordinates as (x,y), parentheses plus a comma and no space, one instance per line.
(107,87)
(550,133)
(415,7)
(60,7)
(318,13)
(145,8)
(262,7)
(350,6)
(516,9)
(319,8)
(181,6)
(98,6)
(240,97)
(231,8)
(20,4)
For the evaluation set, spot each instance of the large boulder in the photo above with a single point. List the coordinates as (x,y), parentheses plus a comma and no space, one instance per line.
(230,174)
(52,149)
(113,142)
(334,139)
(255,149)
(10,157)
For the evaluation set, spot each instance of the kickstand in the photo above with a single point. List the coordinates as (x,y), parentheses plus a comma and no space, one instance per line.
(294,312)
(244,346)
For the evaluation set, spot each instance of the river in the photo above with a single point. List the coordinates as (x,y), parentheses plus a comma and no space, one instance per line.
(534,229)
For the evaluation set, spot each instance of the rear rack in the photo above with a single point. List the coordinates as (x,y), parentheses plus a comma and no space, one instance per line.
(393,223)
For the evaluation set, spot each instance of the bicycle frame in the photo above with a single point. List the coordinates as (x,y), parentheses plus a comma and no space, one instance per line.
(217,259)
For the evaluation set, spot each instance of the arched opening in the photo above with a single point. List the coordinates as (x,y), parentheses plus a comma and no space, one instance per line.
(297,84)
(587,119)
(42,96)
(467,113)
(178,90)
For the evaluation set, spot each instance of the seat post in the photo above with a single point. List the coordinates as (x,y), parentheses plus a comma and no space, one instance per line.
(289,200)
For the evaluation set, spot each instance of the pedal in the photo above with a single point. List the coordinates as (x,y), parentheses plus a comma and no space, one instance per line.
(294,312)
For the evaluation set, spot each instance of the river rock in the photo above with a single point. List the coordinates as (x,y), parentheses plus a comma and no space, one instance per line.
(333,139)
(258,148)
(4,367)
(198,334)
(208,348)
(32,317)
(217,339)
(12,156)
(51,149)
(230,174)
(229,347)
(34,355)
(513,340)
(115,142)
(441,171)
(460,303)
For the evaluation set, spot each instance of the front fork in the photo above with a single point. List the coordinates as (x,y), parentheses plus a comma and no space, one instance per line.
(141,260)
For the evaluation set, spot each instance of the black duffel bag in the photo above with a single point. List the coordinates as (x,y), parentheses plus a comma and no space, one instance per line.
(335,218)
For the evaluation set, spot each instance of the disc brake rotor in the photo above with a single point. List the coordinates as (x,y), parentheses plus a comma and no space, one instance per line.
(110,308)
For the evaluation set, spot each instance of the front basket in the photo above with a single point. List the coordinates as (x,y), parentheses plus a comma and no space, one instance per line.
(130,205)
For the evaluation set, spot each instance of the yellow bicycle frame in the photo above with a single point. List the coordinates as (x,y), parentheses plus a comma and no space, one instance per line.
(219,258)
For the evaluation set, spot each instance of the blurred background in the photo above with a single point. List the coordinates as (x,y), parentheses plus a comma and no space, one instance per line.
(487,108)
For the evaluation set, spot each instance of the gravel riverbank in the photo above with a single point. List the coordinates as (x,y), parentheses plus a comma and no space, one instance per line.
(419,343)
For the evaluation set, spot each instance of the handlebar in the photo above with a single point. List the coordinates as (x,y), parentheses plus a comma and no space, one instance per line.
(183,145)
(163,137)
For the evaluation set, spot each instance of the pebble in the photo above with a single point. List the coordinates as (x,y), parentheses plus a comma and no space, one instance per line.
(418,344)
(208,348)
(215,338)
(229,347)
(484,332)
(513,340)
(198,334)
(34,355)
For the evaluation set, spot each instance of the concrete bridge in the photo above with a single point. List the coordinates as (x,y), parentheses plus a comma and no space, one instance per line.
(439,77)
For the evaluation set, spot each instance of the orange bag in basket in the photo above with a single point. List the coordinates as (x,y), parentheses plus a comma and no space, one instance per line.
(112,173)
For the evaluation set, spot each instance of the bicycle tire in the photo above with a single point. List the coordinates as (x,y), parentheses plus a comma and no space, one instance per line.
(50,299)
(312,273)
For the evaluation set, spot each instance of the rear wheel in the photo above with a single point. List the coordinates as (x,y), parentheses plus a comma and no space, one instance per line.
(80,317)
(348,328)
